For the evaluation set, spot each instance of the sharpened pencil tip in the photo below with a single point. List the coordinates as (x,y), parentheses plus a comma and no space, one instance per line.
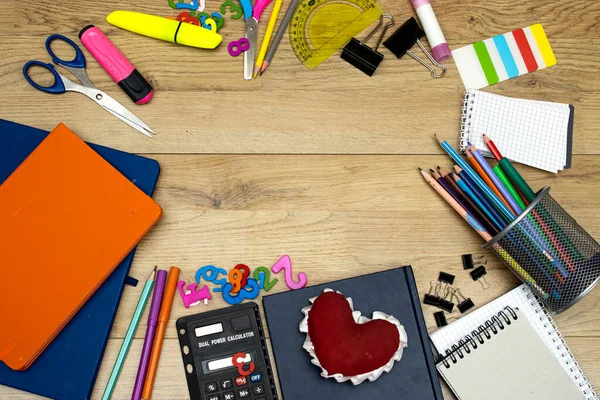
(419,168)
(431,170)
(153,273)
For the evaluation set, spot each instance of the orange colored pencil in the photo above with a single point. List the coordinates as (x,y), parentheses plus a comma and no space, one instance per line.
(484,176)
(163,319)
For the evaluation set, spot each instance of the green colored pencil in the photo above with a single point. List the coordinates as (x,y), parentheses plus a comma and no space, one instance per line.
(511,189)
(135,320)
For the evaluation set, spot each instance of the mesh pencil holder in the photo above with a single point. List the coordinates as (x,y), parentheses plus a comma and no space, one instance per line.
(546,249)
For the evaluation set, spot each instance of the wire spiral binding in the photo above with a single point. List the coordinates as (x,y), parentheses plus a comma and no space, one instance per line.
(465,346)
(465,122)
(557,336)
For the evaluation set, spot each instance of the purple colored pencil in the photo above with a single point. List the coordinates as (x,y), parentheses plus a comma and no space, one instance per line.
(159,287)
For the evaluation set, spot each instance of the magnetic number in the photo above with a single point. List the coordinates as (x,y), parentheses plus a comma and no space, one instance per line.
(250,291)
(263,276)
(285,264)
(210,273)
(219,20)
(236,47)
(240,364)
(238,277)
(234,9)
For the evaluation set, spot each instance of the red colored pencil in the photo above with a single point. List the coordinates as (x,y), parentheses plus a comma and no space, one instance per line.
(493,149)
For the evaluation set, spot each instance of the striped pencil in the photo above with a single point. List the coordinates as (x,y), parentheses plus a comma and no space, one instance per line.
(481,231)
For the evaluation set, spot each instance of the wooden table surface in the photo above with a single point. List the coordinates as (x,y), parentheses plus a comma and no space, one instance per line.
(320,164)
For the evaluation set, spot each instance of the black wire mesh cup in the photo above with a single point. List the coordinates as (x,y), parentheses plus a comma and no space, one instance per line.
(548,250)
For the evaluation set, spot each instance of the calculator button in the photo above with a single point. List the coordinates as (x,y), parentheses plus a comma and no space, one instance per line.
(229,396)
(213,397)
(241,323)
(226,384)
(258,389)
(240,381)
(243,393)
(212,387)
(255,377)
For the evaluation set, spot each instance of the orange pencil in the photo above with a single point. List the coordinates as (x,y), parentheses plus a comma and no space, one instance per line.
(484,176)
(163,319)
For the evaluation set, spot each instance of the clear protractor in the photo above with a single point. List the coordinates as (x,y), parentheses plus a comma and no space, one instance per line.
(319,28)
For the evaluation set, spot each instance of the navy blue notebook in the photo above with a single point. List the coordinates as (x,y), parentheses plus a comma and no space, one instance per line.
(67,369)
(392,292)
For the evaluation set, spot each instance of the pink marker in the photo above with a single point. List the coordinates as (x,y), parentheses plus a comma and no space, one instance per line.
(115,63)
(432,29)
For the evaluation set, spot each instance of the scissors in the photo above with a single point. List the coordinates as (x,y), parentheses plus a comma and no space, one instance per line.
(77,67)
(252,16)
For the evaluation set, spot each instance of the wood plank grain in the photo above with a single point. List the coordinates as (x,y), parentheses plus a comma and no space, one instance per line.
(202,104)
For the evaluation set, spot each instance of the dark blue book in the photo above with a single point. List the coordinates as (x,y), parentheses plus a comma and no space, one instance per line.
(68,367)
(392,292)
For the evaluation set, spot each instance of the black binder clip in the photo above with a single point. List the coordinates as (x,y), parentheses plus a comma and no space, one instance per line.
(362,56)
(478,274)
(467,260)
(444,304)
(404,38)
(432,298)
(440,319)
(446,278)
(464,304)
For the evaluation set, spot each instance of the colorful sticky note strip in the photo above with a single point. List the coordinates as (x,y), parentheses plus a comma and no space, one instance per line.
(503,57)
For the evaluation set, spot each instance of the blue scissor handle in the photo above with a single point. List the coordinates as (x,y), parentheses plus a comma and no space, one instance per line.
(57,88)
(247,8)
(77,62)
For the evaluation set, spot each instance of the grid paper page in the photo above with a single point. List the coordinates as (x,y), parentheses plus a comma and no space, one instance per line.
(530,132)
(523,299)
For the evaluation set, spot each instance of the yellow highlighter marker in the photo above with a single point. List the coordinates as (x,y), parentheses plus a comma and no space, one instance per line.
(165,29)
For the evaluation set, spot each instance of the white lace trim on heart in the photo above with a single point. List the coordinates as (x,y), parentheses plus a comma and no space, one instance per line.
(359,319)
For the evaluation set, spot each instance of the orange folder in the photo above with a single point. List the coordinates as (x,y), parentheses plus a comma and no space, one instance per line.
(67,219)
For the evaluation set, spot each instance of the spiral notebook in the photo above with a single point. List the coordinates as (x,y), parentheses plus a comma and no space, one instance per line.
(535,133)
(510,348)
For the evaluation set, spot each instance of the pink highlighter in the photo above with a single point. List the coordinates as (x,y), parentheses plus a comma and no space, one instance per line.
(115,63)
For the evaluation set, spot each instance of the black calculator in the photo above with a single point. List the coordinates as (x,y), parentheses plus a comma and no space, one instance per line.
(209,341)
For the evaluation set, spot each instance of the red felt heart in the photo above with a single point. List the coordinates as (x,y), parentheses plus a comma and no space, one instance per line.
(345,347)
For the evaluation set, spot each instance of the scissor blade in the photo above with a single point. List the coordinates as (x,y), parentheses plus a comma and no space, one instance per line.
(114,107)
(251,35)
(132,124)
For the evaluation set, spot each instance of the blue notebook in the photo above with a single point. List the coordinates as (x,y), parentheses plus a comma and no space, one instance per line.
(392,292)
(67,369)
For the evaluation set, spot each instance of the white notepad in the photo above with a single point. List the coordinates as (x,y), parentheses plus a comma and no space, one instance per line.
(535,133)
(502,359)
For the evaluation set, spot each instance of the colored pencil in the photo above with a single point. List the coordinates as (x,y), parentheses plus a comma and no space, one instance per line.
(487,191)
(282,27)
(482,198)
(481,231)
(267,38)
(511,189)
(469,192)
(447,187)
(135,320)
(490,173)
(516,243)
(163,319)
(530,228)
(484,176)
(159,287)
(470,205)
(529,195)
(510,171)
